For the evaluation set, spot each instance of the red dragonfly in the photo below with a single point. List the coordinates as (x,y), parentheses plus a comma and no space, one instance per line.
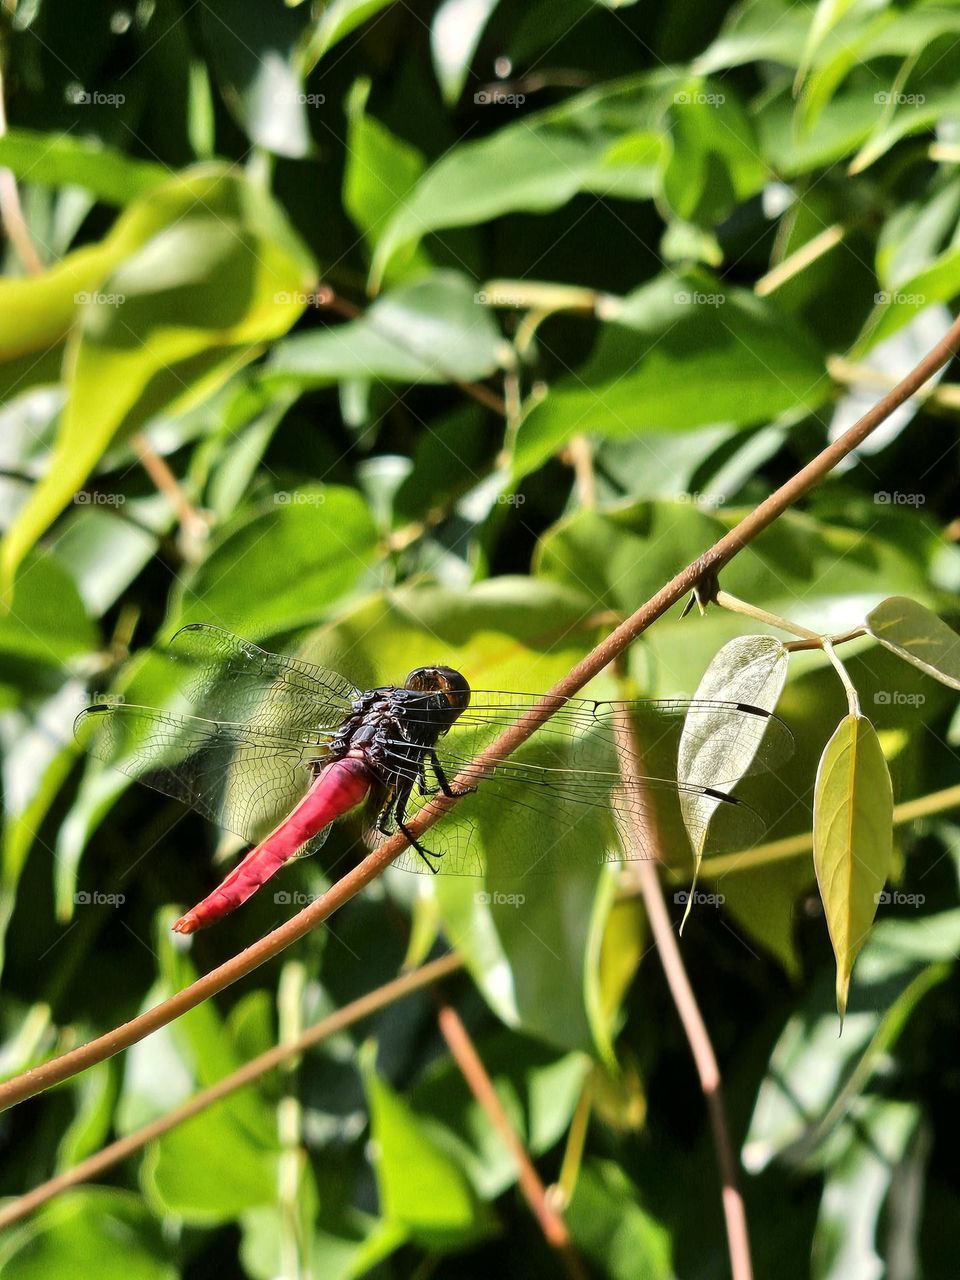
(276,749)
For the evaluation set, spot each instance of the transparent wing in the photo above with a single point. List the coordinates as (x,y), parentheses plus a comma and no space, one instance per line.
(244,780)
(723,741)
(560,800)
(230,679)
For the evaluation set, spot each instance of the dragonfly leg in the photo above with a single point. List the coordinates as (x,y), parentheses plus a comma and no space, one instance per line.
(445,786)
(386,815)
(399,808)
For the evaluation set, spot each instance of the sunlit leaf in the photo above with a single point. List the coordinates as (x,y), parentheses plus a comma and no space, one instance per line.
(852,838)
(66,159)
(918,636)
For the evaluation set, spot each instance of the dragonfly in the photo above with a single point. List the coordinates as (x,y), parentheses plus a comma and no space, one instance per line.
(276,750)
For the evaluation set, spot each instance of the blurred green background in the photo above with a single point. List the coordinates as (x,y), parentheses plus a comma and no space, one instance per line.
(397,333)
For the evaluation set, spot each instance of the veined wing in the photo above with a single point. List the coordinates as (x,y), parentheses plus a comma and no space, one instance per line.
(229,679)
(242,779)
(531,816)
(724,740)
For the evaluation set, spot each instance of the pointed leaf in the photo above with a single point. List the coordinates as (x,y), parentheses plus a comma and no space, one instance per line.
(852,838)
(918,636)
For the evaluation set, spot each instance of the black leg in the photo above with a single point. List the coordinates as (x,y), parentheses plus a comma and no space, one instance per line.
(386,814)
(445,786)
(422,780)
(425,854)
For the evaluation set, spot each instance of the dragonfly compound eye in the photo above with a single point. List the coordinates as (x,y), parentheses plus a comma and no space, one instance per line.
(440,680)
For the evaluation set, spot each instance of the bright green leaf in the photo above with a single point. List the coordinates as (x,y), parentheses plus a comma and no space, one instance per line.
(918,636)
(852,838)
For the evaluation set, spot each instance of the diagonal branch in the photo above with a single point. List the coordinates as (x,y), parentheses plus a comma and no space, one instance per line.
(478,1080)
(129,1145)
(62,1068)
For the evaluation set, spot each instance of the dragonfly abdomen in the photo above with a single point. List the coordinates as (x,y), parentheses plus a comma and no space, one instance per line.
(338,788)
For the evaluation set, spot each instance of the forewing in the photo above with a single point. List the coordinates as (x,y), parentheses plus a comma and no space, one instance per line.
(244,780)
(230,679)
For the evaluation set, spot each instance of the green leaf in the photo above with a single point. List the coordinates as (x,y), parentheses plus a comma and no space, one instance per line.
(751,671)
(253,51)
(683,352)
(605,141)
(713,161)
(221,273)
(918,636)
(454,35)
(433,330)
(852,838)
(381,171)
(866,1173)
(283,566)
(78,1234)
(608,1224)
(46,625)
(814,1072)
(65,160)
(422,1189)
(338,19)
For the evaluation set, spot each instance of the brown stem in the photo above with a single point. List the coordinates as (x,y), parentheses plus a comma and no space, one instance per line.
(32,1082)
(247,1074)
(167,483)
(465,1055)
(644,835)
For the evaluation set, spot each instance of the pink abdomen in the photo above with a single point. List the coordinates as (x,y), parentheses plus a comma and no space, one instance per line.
(340,787)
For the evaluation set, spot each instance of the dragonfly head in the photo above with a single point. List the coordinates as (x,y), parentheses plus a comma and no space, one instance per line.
(443,680)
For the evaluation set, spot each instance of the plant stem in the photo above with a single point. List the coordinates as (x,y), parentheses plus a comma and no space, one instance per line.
(465,1055)
(726,601)
(853,698)
(257,1067)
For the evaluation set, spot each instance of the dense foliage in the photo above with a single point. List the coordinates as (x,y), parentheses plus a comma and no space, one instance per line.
(394,333)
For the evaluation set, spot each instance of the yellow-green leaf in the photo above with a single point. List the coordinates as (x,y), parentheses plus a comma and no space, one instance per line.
(918,636)
(210,271)
(852,838)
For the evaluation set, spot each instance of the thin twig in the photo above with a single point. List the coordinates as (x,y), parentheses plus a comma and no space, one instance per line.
(165,482)
(247,1074)
(11,210)
(646,835)
(471,1066)
(53,1072)
(799,260)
